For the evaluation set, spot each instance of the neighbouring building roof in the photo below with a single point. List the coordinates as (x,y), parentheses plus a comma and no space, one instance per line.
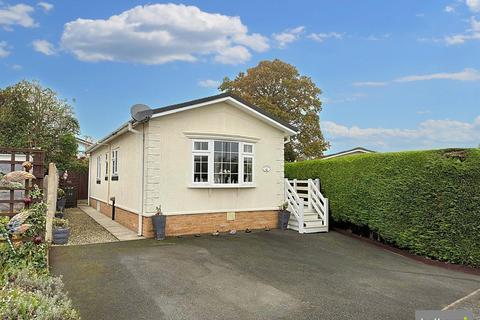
(348,152)
(188,105)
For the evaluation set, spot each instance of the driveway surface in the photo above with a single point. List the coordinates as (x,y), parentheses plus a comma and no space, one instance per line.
(261,275)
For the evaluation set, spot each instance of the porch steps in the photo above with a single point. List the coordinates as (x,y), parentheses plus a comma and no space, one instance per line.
(312,223)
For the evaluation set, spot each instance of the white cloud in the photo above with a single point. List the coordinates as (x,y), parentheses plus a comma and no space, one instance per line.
(320,37)
(16,67)
(373,37)
(208,83)
(473,33)
(344,98)
(288,36)
(233,55)
(45,6)
(467,74)
(45,47)
(428,134)
(19,14)
(4,52)
(370,84)
(473,5)
(449,9)
(161,33)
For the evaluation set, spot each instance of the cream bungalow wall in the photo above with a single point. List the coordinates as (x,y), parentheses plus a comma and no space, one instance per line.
(128,189)
(168,162)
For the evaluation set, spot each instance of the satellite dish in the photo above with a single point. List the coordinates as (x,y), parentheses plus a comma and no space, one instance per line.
(140,112)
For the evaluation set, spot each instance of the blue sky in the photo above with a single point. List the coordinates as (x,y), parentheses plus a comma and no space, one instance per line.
(395,75)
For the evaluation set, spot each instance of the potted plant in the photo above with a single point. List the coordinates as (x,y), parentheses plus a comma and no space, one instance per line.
(61,231)
(61,199)
(158,221)
(283,216)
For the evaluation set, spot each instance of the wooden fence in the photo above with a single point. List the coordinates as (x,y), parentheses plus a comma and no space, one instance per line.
(11,159)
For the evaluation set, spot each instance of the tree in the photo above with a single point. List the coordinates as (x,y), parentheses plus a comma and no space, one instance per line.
(278,88)
(32,116)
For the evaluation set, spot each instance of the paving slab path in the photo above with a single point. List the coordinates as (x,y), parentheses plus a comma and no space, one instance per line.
(260,275)
(116,229)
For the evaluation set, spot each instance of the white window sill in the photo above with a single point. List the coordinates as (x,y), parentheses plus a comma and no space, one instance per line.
(224,186)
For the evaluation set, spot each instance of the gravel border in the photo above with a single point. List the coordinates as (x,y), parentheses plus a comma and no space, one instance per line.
(85,230)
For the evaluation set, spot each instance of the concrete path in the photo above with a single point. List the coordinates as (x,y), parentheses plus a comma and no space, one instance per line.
(260,275)
(117,230)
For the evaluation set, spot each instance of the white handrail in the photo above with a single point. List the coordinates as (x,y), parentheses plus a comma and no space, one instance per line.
(319,202)
(295,204)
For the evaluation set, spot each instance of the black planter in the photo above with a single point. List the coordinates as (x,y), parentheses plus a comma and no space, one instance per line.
(60,235)
(159,226)
(283,216)
(59,214)
(61,204)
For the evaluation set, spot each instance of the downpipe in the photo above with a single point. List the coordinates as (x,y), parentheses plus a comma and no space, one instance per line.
(140,214)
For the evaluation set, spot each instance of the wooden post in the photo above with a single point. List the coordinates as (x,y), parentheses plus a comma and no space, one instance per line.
(51,199)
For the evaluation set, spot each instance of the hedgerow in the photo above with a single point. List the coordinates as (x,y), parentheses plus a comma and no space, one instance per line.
(427,202)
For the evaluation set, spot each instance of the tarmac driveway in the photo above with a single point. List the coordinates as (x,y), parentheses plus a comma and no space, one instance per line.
(262,275)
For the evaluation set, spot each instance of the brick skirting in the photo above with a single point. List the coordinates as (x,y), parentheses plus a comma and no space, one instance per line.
(186,224)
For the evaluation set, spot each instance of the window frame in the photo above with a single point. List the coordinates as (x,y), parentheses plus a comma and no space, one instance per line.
(210,183)
(99,169)
(114,165)
(106,166)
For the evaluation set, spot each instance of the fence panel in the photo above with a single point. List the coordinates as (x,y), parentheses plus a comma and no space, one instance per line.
(11,159)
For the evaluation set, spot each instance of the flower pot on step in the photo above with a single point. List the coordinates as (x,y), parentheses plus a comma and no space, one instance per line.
(158,222)
(60,235)
(283,217)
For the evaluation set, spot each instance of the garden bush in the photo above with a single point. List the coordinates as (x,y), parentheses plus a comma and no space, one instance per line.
(27,289)
(427,202)
(28,295)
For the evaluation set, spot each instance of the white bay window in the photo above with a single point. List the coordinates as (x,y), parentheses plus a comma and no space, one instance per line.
(222,163)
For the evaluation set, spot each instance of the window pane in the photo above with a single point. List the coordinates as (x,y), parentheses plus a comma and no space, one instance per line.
(200,145)
(200,168)
(247,169)
(225,166)
(247,148)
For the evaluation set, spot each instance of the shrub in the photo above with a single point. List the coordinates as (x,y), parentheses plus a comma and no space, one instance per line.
(425,201)
(60,223)
(28,295)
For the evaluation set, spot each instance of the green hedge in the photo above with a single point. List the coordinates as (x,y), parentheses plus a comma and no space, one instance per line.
(427,202)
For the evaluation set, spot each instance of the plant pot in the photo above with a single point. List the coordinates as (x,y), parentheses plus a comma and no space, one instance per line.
(61,204)
(59,214)
(283,216)
(159,226)
(60,235)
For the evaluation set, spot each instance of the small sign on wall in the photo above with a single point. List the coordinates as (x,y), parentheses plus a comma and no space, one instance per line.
(230,216)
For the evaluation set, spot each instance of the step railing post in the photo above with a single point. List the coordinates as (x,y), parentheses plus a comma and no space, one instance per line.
(300,214)
(309,193)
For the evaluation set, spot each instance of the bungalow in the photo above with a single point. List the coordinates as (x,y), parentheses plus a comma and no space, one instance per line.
(357,150)
(211,164)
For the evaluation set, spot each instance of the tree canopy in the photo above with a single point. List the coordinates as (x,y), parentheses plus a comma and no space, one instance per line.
(32,116)
(278,88)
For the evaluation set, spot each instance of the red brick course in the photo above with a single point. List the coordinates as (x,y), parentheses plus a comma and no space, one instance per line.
(186,224)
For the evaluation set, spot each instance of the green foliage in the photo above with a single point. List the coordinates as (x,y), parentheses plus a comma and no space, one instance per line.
(28,295)
(34,116)
(27,290)
(60,223)
(278,87)
(60,193)
(426,201)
